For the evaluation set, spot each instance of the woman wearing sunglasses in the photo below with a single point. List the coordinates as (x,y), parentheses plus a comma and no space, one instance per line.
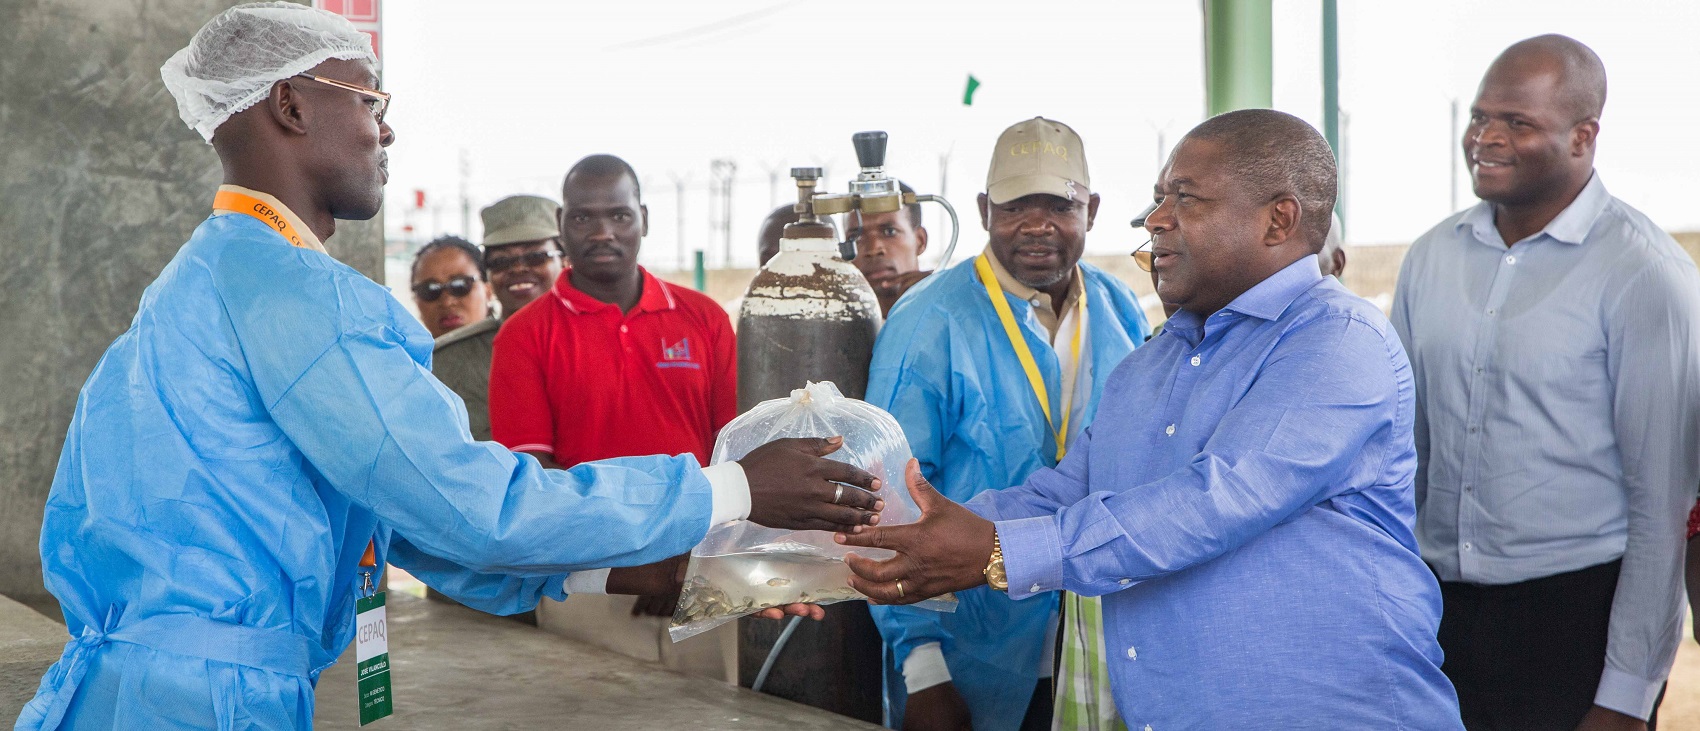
(449,285)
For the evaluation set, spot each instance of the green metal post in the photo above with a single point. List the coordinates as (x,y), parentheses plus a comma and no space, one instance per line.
(1331,96)
(700,274)
(1331,74)
(1238,55)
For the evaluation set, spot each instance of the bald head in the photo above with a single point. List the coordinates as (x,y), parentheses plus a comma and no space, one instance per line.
(1274,154)
(773,228)
(1580,88)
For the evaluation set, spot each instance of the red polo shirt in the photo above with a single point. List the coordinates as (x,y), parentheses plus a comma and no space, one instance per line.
(575,377)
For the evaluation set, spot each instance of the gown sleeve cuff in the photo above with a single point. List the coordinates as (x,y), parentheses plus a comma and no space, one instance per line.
(1032,555)
(594,581)
(731,491)
(925,668)
(1626,693)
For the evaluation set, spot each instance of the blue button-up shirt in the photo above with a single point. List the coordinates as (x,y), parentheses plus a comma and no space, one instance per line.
(1558,413)
(1243,503)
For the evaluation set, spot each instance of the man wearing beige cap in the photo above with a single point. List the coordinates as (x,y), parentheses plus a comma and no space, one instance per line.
(522,252)
(994,367)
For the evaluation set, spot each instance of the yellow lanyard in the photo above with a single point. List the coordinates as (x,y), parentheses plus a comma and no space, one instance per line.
(983,266)
(229,200)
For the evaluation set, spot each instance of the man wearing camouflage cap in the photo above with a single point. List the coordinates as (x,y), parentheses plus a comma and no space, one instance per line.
(266,435)
(522,252)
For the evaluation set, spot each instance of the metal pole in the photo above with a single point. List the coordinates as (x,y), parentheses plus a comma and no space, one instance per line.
(679,215)
(1331,74)
(1453,154)
(1331,98)
(1345,172)
(1238,55)
(722,172)
(465,195)
(726,217)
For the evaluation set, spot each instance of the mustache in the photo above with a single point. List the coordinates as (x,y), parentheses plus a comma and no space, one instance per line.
(602,249)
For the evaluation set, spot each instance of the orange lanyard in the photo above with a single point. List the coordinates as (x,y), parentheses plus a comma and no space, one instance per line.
(229,200)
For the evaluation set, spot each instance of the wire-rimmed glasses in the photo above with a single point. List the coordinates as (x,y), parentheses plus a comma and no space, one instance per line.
(380,101)
(1142,255)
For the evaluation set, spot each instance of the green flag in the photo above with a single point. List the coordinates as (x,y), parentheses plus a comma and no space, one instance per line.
(968,93)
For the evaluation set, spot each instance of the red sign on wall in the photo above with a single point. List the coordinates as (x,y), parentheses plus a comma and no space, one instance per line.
(366,16)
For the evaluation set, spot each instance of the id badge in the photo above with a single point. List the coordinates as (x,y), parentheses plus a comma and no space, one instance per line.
(372,655)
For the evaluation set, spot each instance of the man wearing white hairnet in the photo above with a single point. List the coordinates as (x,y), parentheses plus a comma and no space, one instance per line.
(270,416)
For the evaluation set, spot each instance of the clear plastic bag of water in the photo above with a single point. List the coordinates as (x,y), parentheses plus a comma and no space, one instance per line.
(741,568)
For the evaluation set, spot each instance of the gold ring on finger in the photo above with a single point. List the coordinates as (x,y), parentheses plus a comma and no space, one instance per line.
(837,495)
(899,588)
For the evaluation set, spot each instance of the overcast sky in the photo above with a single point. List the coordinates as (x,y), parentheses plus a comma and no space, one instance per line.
(520,90)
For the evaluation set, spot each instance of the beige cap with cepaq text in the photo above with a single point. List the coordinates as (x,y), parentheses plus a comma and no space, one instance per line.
(1038,156)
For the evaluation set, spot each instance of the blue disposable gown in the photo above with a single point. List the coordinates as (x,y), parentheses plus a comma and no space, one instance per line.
(945,369)
(269,412)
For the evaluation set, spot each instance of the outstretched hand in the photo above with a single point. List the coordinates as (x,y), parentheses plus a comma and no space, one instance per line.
(793,486)
(946,550)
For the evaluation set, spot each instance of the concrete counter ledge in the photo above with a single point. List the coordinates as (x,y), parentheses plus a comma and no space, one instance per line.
(29,643)
(454,668)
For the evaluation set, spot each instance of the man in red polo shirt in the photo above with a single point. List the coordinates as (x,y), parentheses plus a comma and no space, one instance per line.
(611,363)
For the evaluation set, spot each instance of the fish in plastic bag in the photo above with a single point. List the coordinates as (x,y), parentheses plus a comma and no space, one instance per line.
(741,568)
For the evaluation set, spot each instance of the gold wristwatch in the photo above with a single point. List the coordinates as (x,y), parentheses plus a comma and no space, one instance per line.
(995,576)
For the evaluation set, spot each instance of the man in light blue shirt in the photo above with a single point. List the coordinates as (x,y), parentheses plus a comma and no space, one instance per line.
(1243,500)
(1552,335)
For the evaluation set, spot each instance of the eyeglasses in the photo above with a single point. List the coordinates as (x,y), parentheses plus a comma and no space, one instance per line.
(377,101)
(432,291)
(528,259)
(1142,255)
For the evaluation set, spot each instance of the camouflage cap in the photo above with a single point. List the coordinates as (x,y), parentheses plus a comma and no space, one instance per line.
(519,219)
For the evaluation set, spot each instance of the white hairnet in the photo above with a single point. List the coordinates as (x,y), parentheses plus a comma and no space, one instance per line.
(233,60)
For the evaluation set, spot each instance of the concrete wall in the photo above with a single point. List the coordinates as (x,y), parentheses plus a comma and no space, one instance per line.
(100,183)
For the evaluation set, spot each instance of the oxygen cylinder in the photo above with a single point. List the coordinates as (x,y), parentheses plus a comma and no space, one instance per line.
(808,316)
(811,316)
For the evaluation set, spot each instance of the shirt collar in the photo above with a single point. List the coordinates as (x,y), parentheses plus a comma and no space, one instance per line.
(657,295)
(1570,226)
(1266,300)
(307,236)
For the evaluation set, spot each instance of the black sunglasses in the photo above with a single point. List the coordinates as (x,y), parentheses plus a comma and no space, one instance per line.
(432,291)
(528,259)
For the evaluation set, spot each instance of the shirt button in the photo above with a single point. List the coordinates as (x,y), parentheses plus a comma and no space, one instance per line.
(1469,488)
(1148,727)
(1170,431)
(1125,582)
(622,328)
(1467,546)
(1196,360)
(1034,589)
(1473,430)
(1490,312)
(1132,654)
(1510,259)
